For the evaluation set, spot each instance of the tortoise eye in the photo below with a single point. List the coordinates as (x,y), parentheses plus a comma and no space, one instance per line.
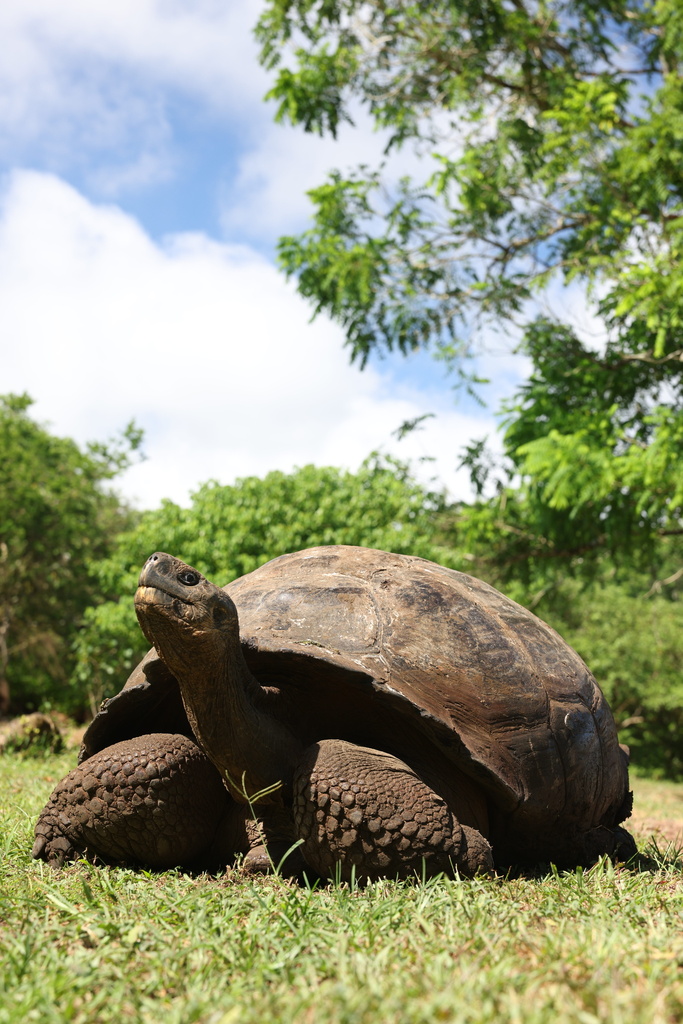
(190,579)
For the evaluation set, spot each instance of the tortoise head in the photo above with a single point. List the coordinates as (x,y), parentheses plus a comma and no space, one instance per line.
(194,627)
(183,614)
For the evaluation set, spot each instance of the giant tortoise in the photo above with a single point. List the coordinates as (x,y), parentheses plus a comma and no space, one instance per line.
(391,715)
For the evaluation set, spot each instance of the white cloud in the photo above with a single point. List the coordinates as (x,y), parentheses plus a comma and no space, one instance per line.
(92,91)
(79,78)
(279,163)
(97,93)
(201,342)
(267,196)
(204,48)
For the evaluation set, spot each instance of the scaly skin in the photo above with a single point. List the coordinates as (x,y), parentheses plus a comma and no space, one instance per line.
(369,812)
(155,801)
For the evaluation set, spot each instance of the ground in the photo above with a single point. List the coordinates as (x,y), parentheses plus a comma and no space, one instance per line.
(657,811)
(93,945)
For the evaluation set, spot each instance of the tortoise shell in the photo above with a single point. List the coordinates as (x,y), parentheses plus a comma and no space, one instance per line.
(400,653)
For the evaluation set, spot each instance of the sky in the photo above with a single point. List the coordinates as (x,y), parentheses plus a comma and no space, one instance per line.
(143,187)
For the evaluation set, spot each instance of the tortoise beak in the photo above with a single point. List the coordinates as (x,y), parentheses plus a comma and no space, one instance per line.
(162,590)
(168,574)
(158,569)
(173,589)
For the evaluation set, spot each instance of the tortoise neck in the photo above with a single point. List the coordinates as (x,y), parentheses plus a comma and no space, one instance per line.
(228,710)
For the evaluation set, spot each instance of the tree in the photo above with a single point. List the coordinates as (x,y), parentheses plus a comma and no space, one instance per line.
(555,135)
(57,516)
(231,530)
(591,477)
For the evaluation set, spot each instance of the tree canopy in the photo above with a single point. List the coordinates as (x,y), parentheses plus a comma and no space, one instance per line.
(591,474)
(552,135)
(57,517)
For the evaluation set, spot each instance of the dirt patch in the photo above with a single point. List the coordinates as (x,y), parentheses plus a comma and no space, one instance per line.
(668,830)
(657,811)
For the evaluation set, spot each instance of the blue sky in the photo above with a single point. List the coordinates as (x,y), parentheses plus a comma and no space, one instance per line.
(144,185)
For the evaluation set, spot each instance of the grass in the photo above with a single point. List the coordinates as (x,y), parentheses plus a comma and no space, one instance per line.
(97,945)
(659,807)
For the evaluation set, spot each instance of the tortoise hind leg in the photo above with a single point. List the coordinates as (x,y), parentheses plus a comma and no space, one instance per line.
(370,813)
(615,843)
(155,801)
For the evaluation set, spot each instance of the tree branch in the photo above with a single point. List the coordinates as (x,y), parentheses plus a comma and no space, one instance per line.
(658,584)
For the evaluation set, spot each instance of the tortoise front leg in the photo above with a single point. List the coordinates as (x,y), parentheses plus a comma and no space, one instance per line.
(153,801)
(363,809)
(273,844)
